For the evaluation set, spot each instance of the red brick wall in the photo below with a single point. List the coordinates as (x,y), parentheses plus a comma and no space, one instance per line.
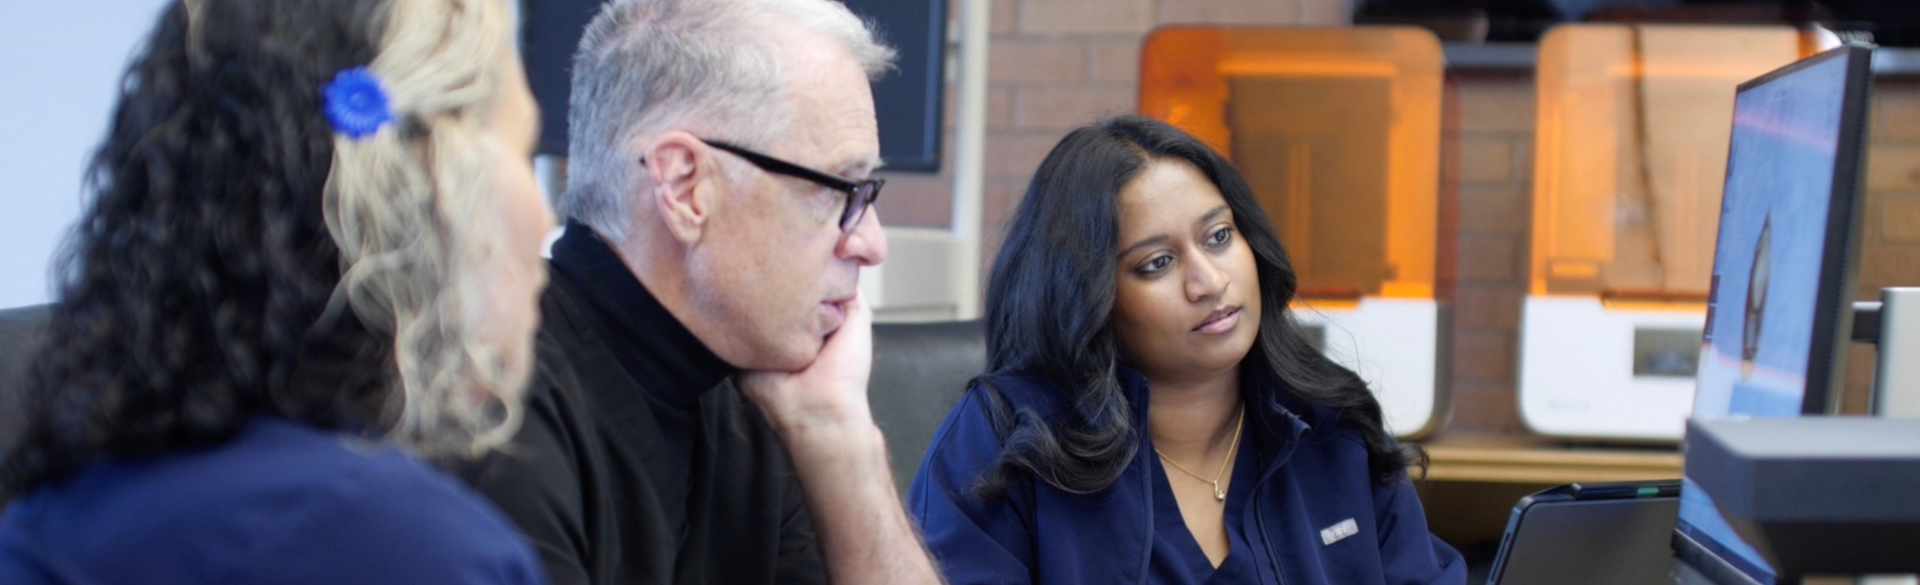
(1486,182)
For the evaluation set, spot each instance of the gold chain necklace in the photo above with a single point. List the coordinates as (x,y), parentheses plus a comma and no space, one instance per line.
(1239,423)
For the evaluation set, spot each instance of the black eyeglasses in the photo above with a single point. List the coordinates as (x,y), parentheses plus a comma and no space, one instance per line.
(860,194)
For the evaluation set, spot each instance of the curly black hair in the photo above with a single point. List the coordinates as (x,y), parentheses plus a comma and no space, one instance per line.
(194,292)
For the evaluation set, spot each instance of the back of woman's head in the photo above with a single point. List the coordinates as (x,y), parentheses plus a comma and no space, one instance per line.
(241,255)
(1050,303)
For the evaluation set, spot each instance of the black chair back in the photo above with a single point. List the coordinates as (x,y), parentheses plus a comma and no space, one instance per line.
(22,330)
(920,370)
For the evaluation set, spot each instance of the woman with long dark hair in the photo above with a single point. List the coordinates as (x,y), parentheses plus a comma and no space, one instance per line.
(310,255)
(1151,412)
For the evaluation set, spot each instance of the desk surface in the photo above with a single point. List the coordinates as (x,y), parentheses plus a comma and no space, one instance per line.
(1541,460)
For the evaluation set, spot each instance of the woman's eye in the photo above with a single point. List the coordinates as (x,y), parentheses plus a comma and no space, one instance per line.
(1220,237)
(1157,264)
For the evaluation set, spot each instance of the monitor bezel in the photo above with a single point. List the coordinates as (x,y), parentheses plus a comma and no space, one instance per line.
(1832,319)
(1839,254)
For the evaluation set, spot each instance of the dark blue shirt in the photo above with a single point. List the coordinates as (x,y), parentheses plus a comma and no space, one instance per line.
(1314,512)
(281,503)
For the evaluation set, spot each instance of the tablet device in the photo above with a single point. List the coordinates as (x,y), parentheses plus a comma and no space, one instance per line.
(1590,534)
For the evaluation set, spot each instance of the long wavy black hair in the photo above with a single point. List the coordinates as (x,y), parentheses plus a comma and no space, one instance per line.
(1050,307)
(192,290)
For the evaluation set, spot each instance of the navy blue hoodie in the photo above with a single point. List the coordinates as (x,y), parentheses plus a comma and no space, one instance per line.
(282,503)
(1316,515)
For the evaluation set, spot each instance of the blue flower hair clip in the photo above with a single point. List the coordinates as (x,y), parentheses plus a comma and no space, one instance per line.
(356,103)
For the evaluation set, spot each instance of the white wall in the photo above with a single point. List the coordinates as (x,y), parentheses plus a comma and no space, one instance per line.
(59,64)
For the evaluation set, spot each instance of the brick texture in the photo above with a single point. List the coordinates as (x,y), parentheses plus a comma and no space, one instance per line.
(1486,159)
(1003,15)
(1086,16)
(1016,155)
(916,200)
(997,199)
(1484,407)
(1484,357)
(999,108)
(1896,110)
(1894,166)
(1067,108)
(1494,209)
(1488,257)
(1486,146)
(1499,103)
(1487,307)
(1899,217)
(1054,62)
(1885,266)
(1116,61)
(1234,12)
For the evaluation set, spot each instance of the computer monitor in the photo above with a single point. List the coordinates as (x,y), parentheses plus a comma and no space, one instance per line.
(1778,313)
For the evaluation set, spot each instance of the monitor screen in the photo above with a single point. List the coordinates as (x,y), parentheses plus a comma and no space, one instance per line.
(909,101)
(1782,287)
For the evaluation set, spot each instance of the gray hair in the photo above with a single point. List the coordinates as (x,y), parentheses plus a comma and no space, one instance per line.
(712,66)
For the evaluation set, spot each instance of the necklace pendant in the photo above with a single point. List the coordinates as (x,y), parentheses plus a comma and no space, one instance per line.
(1217,494)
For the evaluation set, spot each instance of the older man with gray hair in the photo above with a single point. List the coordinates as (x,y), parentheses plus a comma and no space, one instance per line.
(699,414)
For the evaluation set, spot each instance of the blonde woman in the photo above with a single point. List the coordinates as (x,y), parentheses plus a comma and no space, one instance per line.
(310,256)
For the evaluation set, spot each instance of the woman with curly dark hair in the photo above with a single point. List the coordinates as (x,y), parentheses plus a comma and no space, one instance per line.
(1151,412)
(310,257)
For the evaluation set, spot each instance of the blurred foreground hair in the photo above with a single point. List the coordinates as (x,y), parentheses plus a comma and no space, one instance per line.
(238,257)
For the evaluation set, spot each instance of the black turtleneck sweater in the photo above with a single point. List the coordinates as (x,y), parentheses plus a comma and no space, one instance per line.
(637,461)
(672,366)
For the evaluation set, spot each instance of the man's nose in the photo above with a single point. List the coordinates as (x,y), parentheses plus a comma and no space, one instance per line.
(867,243)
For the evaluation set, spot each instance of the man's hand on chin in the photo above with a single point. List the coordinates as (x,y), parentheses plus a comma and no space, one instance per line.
(828,396)
(822,418)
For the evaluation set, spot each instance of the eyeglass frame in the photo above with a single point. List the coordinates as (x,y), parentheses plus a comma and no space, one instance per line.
(850,216)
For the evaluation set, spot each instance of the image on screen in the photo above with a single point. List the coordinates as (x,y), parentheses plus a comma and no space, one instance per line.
(1766,271)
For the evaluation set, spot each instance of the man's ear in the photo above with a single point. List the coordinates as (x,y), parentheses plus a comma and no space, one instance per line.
(680,168)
